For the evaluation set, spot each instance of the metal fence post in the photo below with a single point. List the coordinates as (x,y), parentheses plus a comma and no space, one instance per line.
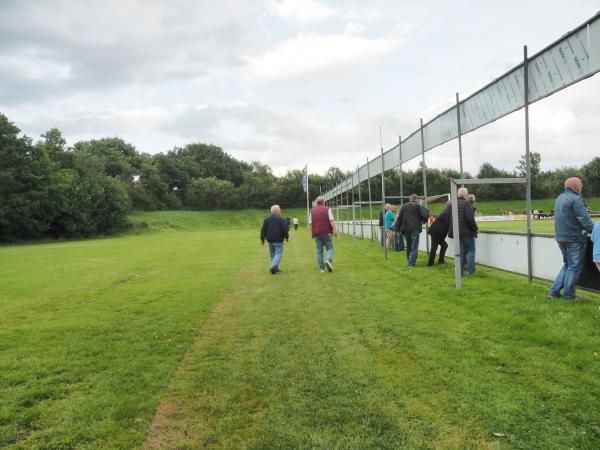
(459,136)
(424,185)
(456,235)
(382,229)
(362,235)
(528,164)
(401,183)
(353,213)
(370,201)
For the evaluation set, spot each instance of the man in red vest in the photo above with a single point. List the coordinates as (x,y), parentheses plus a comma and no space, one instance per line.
(323,227)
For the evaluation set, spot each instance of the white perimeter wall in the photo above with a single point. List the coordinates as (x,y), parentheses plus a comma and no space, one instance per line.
(498,250)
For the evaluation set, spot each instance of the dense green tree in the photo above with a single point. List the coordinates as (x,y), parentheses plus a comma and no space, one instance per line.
(211,193)
(591,177)
(26,173)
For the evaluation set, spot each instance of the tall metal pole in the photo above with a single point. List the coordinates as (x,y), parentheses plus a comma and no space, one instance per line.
(346,216)
(362,236)
(401,181)
(382,229)
(353,213)
(528,165)
(456,235)
(459,136)
(424,185)
(337,204)
(370,204)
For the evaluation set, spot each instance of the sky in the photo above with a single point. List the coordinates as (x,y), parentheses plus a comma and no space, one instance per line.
(288,82)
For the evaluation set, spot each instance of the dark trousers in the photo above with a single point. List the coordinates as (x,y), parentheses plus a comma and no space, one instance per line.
(435,241)
(412,245)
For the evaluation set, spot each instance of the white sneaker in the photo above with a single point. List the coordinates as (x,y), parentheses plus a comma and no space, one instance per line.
(322,270)
(329,266)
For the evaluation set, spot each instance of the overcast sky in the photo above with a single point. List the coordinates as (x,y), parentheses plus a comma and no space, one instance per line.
(287,82)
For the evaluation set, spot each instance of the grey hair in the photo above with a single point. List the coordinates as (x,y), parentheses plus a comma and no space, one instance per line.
(413,198)
(463,192)
(275,208)
(471,198)
(320,200)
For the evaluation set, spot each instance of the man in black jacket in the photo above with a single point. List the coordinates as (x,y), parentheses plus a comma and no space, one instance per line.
(274,230)
(467,229)
(438,232)
(410,222)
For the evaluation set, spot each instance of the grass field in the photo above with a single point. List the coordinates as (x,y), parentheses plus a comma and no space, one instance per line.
(176,336)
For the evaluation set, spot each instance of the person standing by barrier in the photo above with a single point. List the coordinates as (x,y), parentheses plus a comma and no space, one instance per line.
(322,228)
(274,230)
(571,224)
(382,223)
(596,241)
(295,223)
(467,229)
(438,232)
(390,217)
(410,223)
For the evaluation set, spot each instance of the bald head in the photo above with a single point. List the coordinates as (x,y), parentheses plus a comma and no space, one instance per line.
(574,183)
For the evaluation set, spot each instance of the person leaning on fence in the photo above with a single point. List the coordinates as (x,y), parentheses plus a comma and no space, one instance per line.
(322,227)
(438,232)
(410,223)
(571,225)
(389,219)
(274,230)
(467,229)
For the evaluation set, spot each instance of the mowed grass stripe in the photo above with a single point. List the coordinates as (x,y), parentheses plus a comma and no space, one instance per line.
(378,355)
(91,332)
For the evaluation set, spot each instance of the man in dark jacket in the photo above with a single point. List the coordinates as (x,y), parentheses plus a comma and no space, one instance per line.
(274,230)
(438,232)
(467,229)
(410,221)
(572,222)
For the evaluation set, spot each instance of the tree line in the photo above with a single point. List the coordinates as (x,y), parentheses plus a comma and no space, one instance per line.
(51,190)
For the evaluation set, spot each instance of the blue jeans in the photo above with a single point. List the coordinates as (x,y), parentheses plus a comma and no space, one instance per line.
(467,253)
(327,241)
(276,251)
(573,253)
(412,245)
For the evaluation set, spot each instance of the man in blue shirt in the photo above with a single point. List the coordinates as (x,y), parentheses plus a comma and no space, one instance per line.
(571,224)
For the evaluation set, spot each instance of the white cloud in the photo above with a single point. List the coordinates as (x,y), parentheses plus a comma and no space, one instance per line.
(301,11)
(32,66)
(309,54)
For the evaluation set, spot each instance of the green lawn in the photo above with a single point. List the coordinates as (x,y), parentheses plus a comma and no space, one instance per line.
(178,337)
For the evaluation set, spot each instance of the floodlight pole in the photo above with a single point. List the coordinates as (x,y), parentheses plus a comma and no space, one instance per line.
(370,203)
(459,136)
(424,185)
(383,235)
(456,235)
(400,159)
(362,235)
(528,163)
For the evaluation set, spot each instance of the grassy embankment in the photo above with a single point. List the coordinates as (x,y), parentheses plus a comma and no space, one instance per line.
(96,335)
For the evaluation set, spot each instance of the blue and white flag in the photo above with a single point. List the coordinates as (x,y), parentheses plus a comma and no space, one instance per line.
(305,178)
